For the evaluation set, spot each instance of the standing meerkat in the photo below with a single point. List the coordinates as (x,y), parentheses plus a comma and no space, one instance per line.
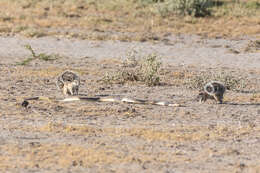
(213,90)
(68,82)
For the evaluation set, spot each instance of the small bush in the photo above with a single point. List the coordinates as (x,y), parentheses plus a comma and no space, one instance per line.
(145,69)
(252,46)
(196,8)
(149,69)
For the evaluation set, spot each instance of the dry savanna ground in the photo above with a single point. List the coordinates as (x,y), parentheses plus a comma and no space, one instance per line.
(115,19)
(128,48)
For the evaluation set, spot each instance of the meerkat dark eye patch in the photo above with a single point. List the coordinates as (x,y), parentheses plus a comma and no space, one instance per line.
(209,89)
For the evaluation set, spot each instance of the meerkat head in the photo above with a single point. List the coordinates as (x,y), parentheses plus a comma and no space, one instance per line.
(212,90)
(214,87)
(68,82)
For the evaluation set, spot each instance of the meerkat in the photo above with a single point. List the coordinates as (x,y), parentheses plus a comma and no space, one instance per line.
(68,82)
(213,90)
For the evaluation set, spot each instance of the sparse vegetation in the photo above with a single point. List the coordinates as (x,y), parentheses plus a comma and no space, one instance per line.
(94,18)
(50,136)
(41,56)
(149,69)
(196,8)
(101,137)
(231,82)
(144,69)
(252,46)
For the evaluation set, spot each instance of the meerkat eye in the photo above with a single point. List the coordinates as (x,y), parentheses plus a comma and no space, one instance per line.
(209,89)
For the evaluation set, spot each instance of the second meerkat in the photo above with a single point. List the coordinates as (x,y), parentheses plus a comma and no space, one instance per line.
(213,90)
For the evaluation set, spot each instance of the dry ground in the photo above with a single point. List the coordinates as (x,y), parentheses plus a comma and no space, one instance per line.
(111,137)
(92,38)
(123,19)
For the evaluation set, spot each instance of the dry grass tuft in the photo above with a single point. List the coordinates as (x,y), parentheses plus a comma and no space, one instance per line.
(48,156)
(180,134)
(54,155)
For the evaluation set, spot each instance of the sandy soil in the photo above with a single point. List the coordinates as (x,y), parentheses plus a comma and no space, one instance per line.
(112,137)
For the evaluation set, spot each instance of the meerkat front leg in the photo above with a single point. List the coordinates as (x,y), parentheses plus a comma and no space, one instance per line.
(67,89)
(75,90)
(203,96)
(219,98)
